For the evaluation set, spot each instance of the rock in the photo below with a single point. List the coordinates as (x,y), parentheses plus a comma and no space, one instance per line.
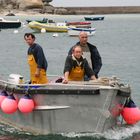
(61,11)
(48,9)
(30,4)
(9,6)
(21,4)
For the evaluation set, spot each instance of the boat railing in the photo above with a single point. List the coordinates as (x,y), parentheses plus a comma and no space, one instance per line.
(102,82)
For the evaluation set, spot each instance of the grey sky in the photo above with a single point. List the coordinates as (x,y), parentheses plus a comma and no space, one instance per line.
(93,3)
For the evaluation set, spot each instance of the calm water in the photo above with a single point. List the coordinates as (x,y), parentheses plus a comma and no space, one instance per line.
(117,39)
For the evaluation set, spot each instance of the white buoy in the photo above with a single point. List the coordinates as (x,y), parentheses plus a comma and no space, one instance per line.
(15,31)
(43,30)
(55,35)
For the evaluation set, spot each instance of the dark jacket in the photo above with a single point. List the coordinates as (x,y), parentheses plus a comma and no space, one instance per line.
(71,63)
(95,58)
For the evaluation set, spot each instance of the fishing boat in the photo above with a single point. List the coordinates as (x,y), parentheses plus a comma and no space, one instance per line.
(5,24)
(79,24)
(94,18)
(44,20)
(50,27)
(72,31)
(80,107)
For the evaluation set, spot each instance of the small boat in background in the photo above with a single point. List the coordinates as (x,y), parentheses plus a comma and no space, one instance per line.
(44,20)
(5,24)
(94,18)
(10,13)
(83,24)
(75,31)
(50,27)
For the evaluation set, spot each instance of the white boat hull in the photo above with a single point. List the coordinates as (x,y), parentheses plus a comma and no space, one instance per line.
(76,31)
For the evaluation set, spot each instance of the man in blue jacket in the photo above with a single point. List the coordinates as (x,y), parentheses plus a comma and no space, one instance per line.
(90,52)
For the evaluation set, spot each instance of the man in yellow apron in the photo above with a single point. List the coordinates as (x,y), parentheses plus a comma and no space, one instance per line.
(76,67)
(36,60)
(90,52)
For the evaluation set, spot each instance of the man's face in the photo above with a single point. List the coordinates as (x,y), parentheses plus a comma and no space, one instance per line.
(83,38)
(29,40)
(77,52)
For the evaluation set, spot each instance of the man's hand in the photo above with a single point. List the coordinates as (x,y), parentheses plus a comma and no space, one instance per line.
(65,81)
(93,77)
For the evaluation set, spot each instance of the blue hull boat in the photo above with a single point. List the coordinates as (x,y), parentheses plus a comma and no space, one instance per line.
(93,18)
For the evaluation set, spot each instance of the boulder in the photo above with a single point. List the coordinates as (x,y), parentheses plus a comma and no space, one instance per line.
(47,9)
(30,4)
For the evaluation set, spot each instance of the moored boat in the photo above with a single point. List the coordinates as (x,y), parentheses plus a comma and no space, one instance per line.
(80,107)
(50,27)
(44,20)
(72,31)
(79,24)
(94,18)
(6,24)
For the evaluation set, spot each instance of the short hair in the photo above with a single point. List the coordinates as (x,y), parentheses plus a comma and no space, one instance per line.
(76,46)
(29,34)
(82,32)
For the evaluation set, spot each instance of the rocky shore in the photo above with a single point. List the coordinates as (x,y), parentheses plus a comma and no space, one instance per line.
(18,7)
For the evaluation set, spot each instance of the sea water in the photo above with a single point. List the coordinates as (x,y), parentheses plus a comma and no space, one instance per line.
(117,38)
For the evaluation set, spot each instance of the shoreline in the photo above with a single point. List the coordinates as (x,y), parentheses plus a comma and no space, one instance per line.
(104,10)
(75,11)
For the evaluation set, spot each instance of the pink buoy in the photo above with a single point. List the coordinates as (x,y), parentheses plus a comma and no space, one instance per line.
(26,104)
(131,115)
(3,95)
(9,105)
(130,112)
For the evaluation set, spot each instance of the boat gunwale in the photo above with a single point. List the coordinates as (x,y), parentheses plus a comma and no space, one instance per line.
(59,88)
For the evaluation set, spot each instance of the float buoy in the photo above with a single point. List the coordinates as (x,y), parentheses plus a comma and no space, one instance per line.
(131,115)
(9,105)
(3,95)
(16,31)
(43,30)
(130,112)
(55,35)
(26,104)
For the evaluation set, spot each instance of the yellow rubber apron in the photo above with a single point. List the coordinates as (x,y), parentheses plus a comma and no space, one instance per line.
(76,74)
(42,79)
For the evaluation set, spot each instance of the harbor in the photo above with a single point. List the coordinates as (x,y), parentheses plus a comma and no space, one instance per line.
(119,57)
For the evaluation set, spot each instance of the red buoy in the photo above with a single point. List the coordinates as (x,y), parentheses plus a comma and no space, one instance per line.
(9,105)
(130,112)
(26,104)
(3,95)
(131,115)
